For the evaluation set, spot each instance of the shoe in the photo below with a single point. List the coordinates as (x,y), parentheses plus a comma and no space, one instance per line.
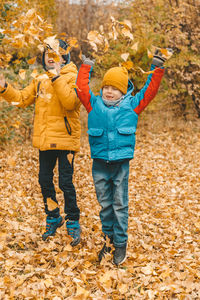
(51,225)
(74,230)
(119,255)
(105,249)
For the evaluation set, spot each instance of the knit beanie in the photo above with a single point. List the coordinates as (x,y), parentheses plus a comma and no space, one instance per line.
(117,77)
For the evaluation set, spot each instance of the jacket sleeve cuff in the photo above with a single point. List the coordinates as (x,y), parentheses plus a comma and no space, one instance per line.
(156,67)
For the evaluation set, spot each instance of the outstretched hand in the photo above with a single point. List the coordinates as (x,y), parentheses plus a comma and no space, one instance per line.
(88,61)
(159,57)
(2,81)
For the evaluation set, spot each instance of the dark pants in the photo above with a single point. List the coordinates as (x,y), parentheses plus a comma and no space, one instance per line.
(47,161)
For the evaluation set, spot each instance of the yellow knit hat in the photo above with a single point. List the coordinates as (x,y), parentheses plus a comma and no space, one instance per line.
(117,77)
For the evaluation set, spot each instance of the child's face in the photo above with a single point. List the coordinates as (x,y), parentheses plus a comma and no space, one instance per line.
(111,93)
(50,63)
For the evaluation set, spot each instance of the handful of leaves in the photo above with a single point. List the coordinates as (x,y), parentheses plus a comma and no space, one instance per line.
(120,33)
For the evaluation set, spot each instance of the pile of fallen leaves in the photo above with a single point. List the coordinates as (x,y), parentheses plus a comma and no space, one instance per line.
(164,227)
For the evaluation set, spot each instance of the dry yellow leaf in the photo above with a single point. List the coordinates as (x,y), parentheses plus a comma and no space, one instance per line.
(144,72)
(114,33)
(53,43)
(48,282)
(127,33)
(73,42)
(43,76)
(167,53)
(125,56)
(19,36)
(32,60)
(41,48)
(101,29)
(30,13)
(68,248)
(95,37)
(135,46)
(34,74)
(81,293)
(112,19)
(70,157)
(40,19)
(18,43)
(22,74)
(127,24)
(147,270)
(51,204)
(165,274)
(54,56)
(94,46)
(127,64)
(106,47)
(150,55)
(16,61)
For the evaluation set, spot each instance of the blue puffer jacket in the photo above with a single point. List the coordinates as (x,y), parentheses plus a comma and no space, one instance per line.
(112,129)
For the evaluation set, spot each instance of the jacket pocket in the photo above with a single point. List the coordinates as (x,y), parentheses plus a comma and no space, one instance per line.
(126,137)
(67,125)
(126,130)
(97,140)
(95,132)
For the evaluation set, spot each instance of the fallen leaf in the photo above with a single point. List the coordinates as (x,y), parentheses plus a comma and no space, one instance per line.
(51,204)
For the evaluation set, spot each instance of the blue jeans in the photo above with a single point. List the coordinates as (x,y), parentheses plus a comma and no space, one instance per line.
(111,184)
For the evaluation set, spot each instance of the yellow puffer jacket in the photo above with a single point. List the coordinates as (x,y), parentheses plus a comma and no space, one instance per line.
(57,109)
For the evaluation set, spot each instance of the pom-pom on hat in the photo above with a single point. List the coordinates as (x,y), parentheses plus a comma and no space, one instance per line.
(117,77)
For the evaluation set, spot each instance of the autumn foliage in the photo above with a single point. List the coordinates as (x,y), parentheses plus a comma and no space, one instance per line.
(163,250)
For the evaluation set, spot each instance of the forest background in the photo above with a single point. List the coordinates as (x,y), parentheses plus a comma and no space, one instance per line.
(151,23)
(163,253)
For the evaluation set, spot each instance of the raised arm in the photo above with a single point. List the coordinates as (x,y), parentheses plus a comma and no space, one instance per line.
(83,79)
(148,92)
(23,98)
(64,88)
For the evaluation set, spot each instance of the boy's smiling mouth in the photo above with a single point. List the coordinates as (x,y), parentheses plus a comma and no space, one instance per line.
(109,97)
(111,93)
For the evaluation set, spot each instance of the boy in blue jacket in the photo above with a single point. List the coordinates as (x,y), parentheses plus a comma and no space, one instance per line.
(112,123)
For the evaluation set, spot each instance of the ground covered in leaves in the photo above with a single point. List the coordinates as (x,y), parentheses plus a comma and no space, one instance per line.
(164,226)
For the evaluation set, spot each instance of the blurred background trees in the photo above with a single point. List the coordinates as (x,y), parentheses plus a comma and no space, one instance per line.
(153,23)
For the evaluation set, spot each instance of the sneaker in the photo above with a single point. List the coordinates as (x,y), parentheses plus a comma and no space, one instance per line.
(51,225)
(105,249)
(74,230)
(119,255)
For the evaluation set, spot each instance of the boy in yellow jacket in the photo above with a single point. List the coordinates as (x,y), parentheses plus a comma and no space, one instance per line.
(56,134)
